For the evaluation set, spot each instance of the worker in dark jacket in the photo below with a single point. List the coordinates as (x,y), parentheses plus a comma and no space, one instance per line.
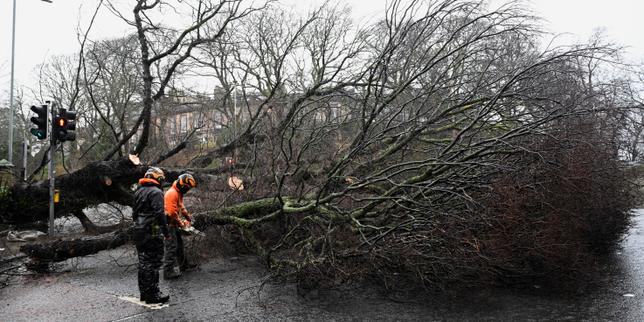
(149,226)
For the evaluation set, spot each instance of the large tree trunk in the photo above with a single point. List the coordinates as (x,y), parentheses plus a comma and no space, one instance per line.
(243,215)
(61,250)
(97,183)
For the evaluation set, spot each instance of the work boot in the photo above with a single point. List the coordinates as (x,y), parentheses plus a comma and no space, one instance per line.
(155,298)
(171,274)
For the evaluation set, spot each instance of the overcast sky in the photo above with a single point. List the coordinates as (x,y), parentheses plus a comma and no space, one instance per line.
(45,29)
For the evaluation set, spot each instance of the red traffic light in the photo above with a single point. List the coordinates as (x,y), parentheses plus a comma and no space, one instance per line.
(65,125)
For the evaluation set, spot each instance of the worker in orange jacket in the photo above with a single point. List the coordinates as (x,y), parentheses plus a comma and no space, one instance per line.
(178,219)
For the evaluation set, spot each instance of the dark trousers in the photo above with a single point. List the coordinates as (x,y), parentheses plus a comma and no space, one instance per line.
(150,257)
(174,254)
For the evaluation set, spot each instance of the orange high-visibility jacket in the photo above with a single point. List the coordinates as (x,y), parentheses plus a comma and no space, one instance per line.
(174,209)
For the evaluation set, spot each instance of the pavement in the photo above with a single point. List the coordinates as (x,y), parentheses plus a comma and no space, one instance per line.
(103,287)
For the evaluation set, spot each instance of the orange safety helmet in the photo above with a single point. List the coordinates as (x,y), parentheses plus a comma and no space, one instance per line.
(156,174)
(186,182)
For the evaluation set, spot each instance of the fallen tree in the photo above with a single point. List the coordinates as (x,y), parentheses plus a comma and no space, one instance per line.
(403,153)
(243,215)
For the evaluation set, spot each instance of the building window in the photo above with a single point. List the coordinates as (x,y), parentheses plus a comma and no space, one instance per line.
(196,120)
(319,116)
(218,119)
(183,123)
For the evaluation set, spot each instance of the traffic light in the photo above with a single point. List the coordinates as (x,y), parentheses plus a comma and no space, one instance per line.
(40,121)
(65,126)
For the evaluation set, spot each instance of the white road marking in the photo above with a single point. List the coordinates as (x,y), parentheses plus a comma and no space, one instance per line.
(136,300)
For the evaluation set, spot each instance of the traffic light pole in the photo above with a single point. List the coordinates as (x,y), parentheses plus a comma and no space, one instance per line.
(25,152)
(52,148)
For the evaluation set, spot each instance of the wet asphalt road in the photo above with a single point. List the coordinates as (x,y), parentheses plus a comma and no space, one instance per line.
(233,289)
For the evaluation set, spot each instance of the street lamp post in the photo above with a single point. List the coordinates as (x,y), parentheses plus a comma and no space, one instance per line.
(13,50)
(11,107)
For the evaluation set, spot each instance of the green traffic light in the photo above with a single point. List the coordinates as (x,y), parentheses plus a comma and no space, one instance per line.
(38,133)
